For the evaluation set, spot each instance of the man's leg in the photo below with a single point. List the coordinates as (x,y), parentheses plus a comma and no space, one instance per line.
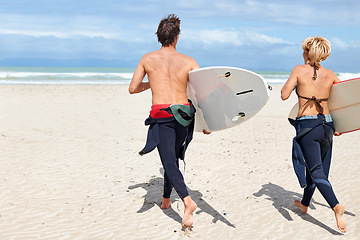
(165,201)
(171,138)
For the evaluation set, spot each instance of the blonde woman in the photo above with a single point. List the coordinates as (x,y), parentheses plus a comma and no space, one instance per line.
(314,126)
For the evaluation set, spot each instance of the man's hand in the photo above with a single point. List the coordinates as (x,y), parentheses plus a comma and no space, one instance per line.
(206,132)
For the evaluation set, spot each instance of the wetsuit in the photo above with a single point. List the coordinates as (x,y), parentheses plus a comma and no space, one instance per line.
(171,130)
(314,136)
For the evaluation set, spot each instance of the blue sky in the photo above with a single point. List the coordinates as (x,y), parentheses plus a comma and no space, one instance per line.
(254,34)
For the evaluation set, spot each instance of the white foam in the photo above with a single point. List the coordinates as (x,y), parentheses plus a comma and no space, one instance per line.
(347,76)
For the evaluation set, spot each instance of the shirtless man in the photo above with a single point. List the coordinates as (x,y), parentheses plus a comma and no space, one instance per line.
(167,72)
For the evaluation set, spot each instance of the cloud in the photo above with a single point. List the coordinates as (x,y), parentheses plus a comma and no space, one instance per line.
(342,45)
(59,34)
(336,42)
(230,37)
(300,13)
(212,31)
(67,27)
(210,37)
(255,37)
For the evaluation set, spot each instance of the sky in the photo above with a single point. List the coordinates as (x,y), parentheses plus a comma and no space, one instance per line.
(255,35)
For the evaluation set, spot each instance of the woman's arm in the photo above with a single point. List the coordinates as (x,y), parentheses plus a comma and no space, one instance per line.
(289,85)
(336,79)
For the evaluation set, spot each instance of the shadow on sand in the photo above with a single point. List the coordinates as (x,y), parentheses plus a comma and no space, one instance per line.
(283,201)
(152,198)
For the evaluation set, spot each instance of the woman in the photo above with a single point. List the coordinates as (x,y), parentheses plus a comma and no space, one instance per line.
(314,125)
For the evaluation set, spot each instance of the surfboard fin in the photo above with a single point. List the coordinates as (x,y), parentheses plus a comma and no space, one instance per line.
(227,74)
(240,115)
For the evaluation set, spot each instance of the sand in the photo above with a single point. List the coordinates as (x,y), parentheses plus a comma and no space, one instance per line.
(70,170)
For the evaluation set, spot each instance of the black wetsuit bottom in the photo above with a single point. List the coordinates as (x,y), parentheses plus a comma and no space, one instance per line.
(316,146)
(172,136)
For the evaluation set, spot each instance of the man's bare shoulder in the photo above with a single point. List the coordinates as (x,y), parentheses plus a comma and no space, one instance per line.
(185,56)
(189,60)
(151,59)
(151,54)
(161,56)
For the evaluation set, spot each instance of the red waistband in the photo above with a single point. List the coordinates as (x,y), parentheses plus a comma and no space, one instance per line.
(158,111)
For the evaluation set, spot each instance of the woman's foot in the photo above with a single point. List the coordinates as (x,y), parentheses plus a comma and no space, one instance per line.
(165,203)
(339,215)
(303,208)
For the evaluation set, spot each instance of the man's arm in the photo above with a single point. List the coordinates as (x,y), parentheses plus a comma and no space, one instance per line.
(195,65)
(137,85)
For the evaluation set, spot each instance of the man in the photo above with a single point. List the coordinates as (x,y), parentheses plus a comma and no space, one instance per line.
(171,116)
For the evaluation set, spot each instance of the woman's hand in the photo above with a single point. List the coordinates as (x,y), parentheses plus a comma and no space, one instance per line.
(337,134)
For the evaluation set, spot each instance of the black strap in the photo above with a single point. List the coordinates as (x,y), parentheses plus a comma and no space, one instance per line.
(315,74)
(317,102)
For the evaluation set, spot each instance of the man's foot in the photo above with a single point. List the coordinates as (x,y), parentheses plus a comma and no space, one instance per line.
(165,203)
(339,215)
(303,208)
(190,207)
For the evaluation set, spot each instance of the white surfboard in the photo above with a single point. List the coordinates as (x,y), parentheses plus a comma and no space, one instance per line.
(225,96)
(344,105)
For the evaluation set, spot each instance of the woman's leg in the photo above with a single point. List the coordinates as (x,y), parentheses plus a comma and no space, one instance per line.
(309,190)
(311,148)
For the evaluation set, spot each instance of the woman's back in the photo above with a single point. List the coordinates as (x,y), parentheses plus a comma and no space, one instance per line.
(313,82)
(310,88)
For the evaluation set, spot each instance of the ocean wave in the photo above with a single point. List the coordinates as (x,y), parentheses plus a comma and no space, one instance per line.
(277,78)
(65,76)
(68,75)
(347,76)
(275,81)
(107,76)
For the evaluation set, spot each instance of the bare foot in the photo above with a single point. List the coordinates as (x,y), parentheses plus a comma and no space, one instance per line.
(339,213)
(303,208)
(190,207)
(165,203)
(206,132)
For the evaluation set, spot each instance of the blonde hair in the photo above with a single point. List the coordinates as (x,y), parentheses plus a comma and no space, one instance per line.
(318,48)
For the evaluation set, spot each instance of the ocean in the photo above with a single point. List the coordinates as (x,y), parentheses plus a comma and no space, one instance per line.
(93,75)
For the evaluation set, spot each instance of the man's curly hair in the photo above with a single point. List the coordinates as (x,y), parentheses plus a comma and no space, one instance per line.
(168,29)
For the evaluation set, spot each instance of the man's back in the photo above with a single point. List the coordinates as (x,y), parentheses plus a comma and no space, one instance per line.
(167,72)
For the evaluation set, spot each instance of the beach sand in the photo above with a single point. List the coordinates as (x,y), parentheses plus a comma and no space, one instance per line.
(70,169)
